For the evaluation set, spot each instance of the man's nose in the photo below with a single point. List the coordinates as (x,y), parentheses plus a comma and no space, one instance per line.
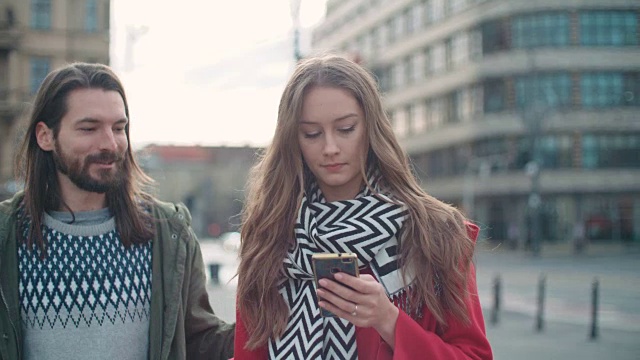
(108,141)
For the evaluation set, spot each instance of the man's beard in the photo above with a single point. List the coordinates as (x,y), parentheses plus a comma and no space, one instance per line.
(78,171)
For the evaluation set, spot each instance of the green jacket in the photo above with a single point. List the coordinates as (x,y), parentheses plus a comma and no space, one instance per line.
(182,323)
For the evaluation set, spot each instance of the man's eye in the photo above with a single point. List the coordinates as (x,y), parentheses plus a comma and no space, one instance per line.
(86,129)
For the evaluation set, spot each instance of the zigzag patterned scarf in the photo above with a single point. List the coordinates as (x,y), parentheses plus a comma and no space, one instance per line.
(367,226)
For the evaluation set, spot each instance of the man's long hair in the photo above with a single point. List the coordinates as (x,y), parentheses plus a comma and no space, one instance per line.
(128,202)
(435,245)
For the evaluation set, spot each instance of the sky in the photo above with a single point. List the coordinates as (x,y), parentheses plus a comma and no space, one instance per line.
(206,72)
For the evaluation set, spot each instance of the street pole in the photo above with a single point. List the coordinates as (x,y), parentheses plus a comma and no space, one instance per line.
(535,200)
(295,17)
(533,115)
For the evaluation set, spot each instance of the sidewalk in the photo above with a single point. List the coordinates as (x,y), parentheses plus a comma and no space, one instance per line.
(567,310)
(515,338)
(569,284)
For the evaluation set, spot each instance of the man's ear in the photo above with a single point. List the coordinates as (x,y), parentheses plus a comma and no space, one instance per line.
(44,135)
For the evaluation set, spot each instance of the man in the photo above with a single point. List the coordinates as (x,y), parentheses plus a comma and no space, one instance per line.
(92,266)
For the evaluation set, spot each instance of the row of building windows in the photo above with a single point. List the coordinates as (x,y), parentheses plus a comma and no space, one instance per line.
(41,14)
(543,92)
(39,67)
(419,14)
(443,56)
(547,29)
(460,48)
(557,90)
(533,30)
(588,151)
(553,29)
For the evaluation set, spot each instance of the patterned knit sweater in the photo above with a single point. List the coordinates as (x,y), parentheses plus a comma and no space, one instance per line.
(89,297)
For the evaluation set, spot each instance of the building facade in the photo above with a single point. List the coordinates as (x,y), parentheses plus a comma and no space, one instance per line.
(209,180)
(526,114)
(37,36)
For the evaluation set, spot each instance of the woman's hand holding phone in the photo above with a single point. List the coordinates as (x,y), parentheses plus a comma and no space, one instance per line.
(360,300)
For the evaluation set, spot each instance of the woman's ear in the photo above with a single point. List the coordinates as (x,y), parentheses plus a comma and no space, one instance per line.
(44,136)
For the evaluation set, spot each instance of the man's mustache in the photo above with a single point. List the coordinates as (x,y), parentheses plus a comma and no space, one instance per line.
(105,157)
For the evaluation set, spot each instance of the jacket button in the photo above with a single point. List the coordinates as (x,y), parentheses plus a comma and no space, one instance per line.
(5,336)
(174,236)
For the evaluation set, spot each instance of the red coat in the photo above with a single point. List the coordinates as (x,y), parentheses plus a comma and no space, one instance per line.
(420,339)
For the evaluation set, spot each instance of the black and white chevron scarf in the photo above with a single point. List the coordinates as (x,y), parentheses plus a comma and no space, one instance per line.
(367,226)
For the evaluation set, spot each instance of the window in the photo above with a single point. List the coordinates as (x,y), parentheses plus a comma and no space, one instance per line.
(450,105)
(91,16)
(409,25)
(607,89)
(417,61)
(400,123)
(409,70)
(494,37)
(610,151)
(601,89)
(457,5)
(39,69)
(612,28)
(437,9)
(398,77)
(463,104)
(438,58)
(398,26)
(375,40)
(494,95)
(417,13)
(427,12)
(41,14)
(459,49)
(418,123)
(535,30)
(410,115)
(436,163)
(384,78)
(427,62)
(391,31)
(550,90)
(556,151)
(434,113)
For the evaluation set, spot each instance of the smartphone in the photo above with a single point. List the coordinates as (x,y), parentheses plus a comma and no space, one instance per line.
(326,265)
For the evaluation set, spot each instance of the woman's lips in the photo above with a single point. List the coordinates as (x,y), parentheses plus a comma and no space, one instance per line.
(333,167)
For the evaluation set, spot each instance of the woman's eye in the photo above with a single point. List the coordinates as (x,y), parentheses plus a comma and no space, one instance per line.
(347,129)
(311,135)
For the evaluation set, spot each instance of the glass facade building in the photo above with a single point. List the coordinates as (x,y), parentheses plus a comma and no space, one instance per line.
(478,89)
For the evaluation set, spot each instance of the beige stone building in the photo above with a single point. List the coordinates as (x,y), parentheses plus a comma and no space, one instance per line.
(484,93)
(37,36)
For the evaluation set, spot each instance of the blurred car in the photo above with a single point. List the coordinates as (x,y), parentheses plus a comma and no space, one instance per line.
(230,241)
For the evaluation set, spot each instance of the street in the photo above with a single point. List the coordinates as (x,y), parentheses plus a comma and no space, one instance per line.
(567,303)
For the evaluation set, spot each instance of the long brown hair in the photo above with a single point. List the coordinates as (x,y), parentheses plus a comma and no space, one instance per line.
(434,232)
(38,170)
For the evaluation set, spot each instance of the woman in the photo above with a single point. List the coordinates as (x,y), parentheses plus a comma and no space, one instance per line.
(335,180)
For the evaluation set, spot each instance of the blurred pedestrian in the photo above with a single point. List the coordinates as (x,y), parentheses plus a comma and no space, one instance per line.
(579,238)
(335,180)
(513,235)
(92,266)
